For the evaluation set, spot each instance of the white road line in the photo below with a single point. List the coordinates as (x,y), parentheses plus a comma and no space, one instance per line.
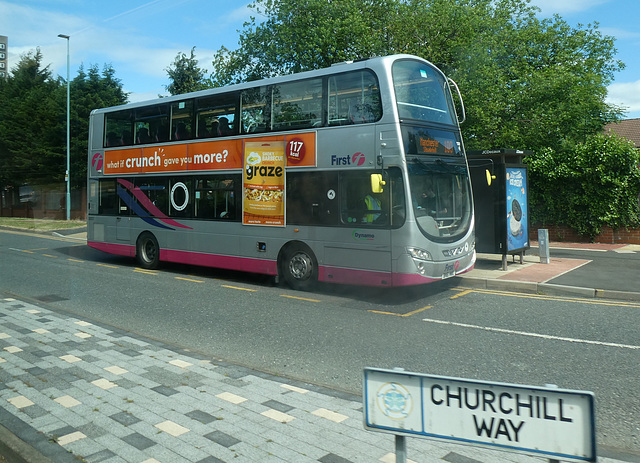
(532,335)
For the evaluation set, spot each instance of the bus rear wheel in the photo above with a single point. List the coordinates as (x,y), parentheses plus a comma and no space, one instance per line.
(299,267)
(148,251)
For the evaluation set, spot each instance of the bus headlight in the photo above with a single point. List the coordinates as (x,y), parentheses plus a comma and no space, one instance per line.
(420,254)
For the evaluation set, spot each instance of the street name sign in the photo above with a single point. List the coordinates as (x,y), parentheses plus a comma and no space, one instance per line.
(542,421)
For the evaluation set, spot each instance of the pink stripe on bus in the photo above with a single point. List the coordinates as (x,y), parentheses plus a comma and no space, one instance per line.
(146,202)
(111,248)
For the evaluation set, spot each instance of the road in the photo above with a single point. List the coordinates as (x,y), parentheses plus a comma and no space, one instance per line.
(615,270)
(327,336)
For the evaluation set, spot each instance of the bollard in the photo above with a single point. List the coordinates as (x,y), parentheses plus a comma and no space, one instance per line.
(543,245)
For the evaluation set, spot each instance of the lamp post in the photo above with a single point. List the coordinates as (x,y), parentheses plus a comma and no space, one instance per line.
(67,177)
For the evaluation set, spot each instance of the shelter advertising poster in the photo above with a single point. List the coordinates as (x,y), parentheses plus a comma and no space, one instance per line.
(263,194)
(517,213)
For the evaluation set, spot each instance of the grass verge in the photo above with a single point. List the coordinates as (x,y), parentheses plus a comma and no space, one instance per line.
(40,224)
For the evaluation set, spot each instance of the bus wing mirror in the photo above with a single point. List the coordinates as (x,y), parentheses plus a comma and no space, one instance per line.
(377,183)
(490,177)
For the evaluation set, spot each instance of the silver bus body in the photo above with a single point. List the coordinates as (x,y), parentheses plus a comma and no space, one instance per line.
(137,205)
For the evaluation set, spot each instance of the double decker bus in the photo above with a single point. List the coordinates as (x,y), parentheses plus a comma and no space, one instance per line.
(352,174)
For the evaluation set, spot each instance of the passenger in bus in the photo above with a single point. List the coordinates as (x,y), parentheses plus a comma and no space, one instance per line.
(181,132)
(203,131)
(143,136)
(162,132)
(215,128)
(113,139)
(225,129)
(127,138)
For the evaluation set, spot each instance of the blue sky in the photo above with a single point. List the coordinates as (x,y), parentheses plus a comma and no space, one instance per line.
(141,38)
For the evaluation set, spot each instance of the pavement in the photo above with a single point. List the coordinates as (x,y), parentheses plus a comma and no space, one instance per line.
(75,390)
(532,276)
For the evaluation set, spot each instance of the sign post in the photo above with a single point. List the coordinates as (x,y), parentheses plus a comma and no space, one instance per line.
(541,421)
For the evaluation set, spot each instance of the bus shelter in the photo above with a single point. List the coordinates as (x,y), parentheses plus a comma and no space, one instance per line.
(500,195)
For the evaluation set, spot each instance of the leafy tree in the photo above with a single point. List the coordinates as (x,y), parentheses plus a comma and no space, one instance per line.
(185,75)
(536,83)
(303,35)
(595,184)
(33,121)
(32,143)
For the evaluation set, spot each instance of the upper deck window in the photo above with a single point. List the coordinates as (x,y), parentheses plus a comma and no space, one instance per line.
(297,104)
(354,98)
(421,93)
(351,97)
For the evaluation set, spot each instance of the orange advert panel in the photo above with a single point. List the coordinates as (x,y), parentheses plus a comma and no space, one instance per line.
(300,150)
(263,183)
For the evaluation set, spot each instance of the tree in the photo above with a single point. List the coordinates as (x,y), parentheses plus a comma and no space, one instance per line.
(89,90)
(185,75)
(33,121)
(303,35)
(534,84)
(32,142)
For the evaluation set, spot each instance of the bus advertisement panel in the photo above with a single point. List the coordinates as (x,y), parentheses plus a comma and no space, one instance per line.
(263,183)
(212,155)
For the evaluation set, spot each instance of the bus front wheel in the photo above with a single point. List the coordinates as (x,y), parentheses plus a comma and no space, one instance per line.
(148,251)
(299,267)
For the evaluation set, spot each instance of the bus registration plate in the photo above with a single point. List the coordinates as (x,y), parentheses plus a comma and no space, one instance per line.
(449,271)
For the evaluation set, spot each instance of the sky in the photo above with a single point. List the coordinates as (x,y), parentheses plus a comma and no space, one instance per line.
(141,38)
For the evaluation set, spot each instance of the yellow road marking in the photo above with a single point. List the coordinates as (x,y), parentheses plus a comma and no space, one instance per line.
(75,260)
(108,266)
(49,255)
(620,303)
(241,289)
(461,293)
(400,314)
(301,298)
(189,279)
(146,272)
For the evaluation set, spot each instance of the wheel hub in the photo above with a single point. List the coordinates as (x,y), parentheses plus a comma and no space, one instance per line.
(300,266)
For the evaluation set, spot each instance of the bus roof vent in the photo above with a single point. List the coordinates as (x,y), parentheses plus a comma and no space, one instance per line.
(342,62)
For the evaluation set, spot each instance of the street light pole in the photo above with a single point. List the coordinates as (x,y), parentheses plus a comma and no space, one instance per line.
(67,177)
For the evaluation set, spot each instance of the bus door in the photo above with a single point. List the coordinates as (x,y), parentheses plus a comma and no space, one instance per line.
(123,220)
(366,243)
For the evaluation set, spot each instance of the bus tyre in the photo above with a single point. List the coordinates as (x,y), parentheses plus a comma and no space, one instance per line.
(148,251)
(299,267)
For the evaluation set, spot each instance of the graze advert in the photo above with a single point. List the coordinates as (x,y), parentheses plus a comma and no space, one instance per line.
(263,183)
